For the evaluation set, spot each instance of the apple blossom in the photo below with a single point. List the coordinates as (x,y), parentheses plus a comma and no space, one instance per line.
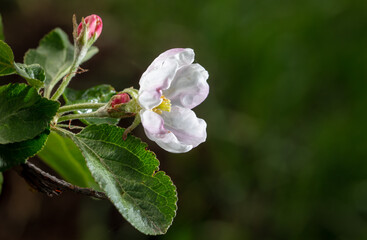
(170,87)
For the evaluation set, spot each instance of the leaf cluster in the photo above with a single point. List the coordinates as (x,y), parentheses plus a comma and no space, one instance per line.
(97,157)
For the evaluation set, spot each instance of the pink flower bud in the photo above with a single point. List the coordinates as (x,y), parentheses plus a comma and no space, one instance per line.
(94,26)
(119,99)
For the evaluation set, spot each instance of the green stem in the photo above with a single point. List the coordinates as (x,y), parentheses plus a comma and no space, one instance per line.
(79,55)
(53,82)
(82,115)
(69,126)
(62,132)
(69,108)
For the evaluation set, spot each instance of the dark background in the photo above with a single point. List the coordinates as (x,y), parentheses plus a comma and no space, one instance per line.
(286,154)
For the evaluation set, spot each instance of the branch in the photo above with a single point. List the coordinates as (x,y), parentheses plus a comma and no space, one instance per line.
(51,185)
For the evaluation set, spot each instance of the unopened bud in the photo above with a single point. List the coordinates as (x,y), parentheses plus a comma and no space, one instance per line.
(94,26)
(120,99)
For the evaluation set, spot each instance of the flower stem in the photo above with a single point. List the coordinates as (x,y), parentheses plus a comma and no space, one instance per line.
(78,57)
(95,114)
(69,108)
(69,126)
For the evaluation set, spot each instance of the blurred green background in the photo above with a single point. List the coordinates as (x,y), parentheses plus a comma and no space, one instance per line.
(286,153)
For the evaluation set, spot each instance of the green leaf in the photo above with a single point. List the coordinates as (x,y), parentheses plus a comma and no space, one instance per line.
(2,37)
(34,74)
(129,175)
(65,158)
(23,113)
(13,154)
(1,181)
(6,59)
(55,54)
(98,94)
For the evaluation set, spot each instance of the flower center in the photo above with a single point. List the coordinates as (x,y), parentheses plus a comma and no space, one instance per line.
(164,106)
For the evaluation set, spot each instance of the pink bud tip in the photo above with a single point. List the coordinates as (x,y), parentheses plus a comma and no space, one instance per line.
(94,26)
(120,98)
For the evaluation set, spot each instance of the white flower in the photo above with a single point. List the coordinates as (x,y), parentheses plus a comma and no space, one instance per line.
(170,87)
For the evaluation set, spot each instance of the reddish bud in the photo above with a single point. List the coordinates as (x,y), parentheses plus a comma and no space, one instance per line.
(120,99)
(94,26)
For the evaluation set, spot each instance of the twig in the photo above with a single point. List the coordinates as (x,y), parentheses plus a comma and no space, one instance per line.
(51,185)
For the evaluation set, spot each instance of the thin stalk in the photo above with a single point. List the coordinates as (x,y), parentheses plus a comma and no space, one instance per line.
(53,82)
(62,131)
(69,126)
(82,115)
(69,108)
(79,55)
(65,82)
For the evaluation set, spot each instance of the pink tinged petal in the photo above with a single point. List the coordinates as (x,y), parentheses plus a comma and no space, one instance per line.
(159,78)
(183,56)
(189,88)
(169,142)
(152,122)
(184,124)
(94,25)
(119,99)
(149,99)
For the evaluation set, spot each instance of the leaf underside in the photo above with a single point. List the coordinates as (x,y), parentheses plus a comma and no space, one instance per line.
(34,74)
(129,175)
(6,59)
(65,158)
(55,54)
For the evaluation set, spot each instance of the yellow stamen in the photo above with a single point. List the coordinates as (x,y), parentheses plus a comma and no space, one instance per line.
(164,106)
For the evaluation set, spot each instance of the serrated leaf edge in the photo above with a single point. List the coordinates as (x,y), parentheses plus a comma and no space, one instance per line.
(161,231)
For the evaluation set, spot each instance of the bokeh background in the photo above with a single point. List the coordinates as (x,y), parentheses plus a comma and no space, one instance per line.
(286,153)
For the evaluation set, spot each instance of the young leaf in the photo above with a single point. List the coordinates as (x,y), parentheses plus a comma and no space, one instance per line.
(1,181)
(6,59)
(65,158)
(34,74)
(98,94)
(55,54)
(23,113)
(1,29)
(13,154)
(129,175)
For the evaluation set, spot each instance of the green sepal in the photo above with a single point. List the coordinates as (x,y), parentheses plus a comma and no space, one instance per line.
(129,174)
(98,94)
(23,113)
(13,154)
(62,155)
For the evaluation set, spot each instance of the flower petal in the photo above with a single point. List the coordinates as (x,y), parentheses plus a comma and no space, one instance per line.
(150,99)
(160,77)
(183,56)
(152,122)
(184,124)
(189,88)
(168,142)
